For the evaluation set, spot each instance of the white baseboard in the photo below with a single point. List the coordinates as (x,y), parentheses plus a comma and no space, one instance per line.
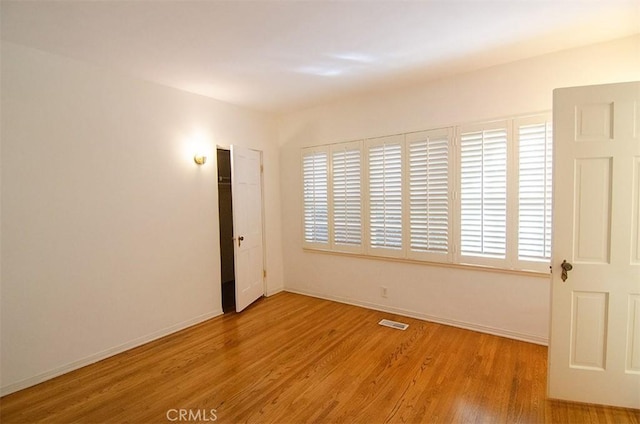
(531,338)
(32,381)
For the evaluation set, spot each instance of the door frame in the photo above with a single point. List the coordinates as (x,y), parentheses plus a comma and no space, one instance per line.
(262,207)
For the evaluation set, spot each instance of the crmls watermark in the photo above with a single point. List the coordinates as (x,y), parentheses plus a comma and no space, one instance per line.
(185,415)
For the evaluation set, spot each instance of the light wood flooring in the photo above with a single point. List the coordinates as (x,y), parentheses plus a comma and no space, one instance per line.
(297,359)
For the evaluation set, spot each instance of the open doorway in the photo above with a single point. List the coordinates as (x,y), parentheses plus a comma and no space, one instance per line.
(225,212)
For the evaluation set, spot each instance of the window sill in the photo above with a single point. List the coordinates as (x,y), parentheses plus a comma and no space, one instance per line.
(470,267)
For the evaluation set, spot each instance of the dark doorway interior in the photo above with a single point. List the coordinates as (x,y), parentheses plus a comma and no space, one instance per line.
(226,231)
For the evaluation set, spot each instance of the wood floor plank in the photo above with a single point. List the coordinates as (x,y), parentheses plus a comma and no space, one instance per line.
(295,359)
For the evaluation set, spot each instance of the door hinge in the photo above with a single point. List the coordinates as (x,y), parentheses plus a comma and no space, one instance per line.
(261,168)
(264,273)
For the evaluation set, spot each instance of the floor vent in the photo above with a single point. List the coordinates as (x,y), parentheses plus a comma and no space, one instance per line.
(394,324)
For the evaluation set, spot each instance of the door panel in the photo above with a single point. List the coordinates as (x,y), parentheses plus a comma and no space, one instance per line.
(593,121)
(594,350)
(246,182)
(635,216)
(589,330)
(593,210)
(633,335)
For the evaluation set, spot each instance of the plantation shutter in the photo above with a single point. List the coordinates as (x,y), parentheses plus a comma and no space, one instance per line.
(315,197)
(534,190)
(385,195)
(428,186)
(347,196)
(481,198)
(483,191)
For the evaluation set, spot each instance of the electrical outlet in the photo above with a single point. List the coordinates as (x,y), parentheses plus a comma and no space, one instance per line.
(383,291)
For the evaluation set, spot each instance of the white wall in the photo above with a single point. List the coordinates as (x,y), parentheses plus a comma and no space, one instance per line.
(109,229)
(512,305)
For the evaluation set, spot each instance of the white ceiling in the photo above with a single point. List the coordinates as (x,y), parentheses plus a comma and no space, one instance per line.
(282,55)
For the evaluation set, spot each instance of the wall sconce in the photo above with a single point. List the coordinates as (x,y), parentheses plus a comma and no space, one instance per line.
(200,159)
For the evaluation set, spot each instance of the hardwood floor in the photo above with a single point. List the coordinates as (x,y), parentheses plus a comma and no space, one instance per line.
(296,359)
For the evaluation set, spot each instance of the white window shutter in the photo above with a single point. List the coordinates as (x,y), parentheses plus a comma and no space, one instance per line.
(428,162)
(481,198)
(347,196)
(483,192)
(315,197)
(384,157)
(534,190)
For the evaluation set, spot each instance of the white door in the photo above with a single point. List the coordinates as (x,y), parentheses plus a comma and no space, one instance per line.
(594,348)
(246,195)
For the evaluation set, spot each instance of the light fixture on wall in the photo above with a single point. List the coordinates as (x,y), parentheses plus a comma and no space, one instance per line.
(200,159)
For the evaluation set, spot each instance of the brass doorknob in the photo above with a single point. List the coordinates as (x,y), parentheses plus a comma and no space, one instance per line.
(566,267)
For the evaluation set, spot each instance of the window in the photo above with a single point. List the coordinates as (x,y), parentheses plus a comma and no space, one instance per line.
(534,190)
(483,191)
(347,196)
(481,197)
(315,197)
(385,194)
(429,211)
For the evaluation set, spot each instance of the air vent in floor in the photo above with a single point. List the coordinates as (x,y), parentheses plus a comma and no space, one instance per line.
(394,324)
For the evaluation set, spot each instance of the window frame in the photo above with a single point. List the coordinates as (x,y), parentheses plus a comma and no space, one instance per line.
(308,152)
(453,257)
(340,247)
(545,118)
(469,259)
(415,137)
(384,251)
